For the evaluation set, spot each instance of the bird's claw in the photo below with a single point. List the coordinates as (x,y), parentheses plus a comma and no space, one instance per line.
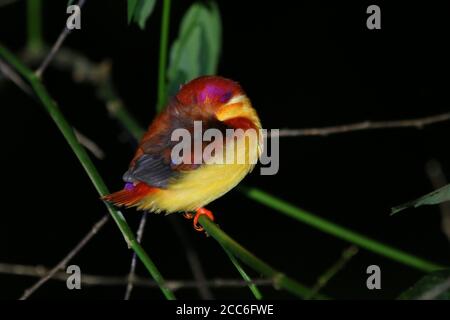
(199,212)
(188,215)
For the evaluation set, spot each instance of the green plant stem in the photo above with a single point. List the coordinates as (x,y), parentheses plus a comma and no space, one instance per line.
(280,280)
(34,26)
(87,164)
(253,288)
(163,48)
(338,231)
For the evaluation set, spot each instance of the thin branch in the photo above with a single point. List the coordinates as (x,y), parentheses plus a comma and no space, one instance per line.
(101,280)
(436,291)
(323,280)
(100,76)
(417,123)
(62,36)
(6,2)
(90,145)
(193,259)
(12,75)
(131,275)
(62,264)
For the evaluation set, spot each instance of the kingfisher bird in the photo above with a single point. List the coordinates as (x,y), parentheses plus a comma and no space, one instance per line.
(156,183)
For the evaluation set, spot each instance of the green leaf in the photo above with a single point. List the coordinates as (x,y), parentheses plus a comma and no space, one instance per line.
(196,50)
(143,11)
(130,9)
(433,286)
(435,197)
(140,10)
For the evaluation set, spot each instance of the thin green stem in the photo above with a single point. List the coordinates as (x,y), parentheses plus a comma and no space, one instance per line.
(280,280)
(338,231)
(163,49)
(324,278)
(253,288)
(87,164)
(34,26)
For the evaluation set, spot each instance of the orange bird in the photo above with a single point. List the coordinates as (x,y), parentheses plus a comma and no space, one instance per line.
(157,183)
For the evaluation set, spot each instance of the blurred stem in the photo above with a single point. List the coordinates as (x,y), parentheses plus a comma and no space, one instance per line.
(338,231)
(116,108)
(34,26)
(163,48)
(279,279)
(253,288)
(87,164)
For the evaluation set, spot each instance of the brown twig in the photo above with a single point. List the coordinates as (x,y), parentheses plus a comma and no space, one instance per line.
(62,264)
(434,292)
(6,2)
(100,75)
(100,280)
(131,274)
(89,145)
(62,36)
(12,75)
(193,260)
(366,125)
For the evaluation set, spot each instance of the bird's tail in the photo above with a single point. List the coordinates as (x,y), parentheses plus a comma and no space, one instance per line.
(131,195)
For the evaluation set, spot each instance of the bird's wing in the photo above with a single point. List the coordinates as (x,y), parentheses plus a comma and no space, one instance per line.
(151,169)
(152,163)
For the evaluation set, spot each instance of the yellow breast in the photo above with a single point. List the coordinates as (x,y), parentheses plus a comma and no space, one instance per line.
(196,188)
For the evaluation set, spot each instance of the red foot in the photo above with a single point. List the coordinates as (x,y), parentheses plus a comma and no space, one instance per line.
(198,213)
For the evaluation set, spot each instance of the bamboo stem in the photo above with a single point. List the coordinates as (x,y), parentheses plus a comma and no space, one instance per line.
(253,288)
(163,48)
(280,280)
(339,231)
(34,26)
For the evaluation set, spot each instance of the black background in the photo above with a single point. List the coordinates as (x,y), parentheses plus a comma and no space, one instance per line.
(303,65)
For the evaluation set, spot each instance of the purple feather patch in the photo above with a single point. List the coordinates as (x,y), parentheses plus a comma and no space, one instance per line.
(129,186)
(215,93)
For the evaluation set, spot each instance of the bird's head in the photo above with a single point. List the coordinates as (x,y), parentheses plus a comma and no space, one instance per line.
(222,99)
